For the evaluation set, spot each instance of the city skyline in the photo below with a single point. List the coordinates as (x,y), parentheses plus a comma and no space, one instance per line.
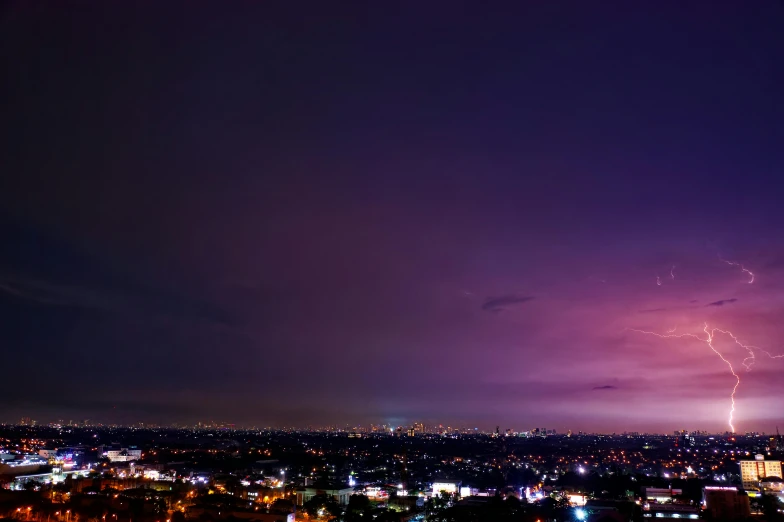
(399,430)
(544,215)
(380,428)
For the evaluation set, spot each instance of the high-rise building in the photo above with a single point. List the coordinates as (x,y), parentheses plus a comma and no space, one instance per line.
(687,439)
(751,471)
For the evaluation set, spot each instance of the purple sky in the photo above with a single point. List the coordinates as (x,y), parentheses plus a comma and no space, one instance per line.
(270,215)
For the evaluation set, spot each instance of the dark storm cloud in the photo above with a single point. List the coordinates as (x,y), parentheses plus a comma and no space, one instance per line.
(652,310)
(496,304)
(144,302)
(40,268)
(45,293)
(666,309)
(722,302)
(605,387)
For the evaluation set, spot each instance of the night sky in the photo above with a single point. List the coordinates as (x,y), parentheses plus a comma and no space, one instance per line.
(301,213)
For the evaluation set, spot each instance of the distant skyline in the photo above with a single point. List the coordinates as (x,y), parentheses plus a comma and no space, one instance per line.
(381,428)
(289,215)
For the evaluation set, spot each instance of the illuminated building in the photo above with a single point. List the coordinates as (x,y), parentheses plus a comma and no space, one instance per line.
(771,485)
(726,503)
(671,511)
(449,487)
(376,492)
(752,471)
(687,439)
(660,494)
(123,454)
(55,476)
(62,455)
(152,474)
(341,494)
(26,464)
(48,453)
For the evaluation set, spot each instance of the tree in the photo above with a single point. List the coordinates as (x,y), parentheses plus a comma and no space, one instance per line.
(516,507)
(32,485)
(360,502)
(282,504)
(436,506)
(321,505)
(771,505)
(359,507)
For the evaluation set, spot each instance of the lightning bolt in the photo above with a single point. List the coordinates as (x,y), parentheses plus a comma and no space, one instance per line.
(672,272)
(753,358)
(658,280)
(709,340)
(710,336)
(749,361)
(742,269)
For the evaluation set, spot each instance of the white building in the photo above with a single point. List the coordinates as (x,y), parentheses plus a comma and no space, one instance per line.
(661,494)
(451,488)
(123,455)
(48,453)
